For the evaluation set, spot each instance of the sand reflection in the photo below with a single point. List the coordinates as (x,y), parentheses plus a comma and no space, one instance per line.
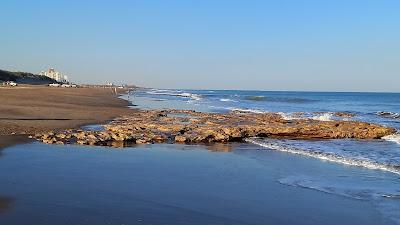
(10,140)
(220,147)
(5,203)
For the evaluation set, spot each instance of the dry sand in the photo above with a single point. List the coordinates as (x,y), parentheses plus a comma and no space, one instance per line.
(32,109)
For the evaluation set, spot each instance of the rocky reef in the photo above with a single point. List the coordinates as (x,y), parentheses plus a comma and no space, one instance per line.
(183,126)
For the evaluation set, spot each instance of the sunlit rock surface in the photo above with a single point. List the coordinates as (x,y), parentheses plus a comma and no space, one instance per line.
(182,126)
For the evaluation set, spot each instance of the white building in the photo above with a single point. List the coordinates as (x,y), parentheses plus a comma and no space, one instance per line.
(52,73)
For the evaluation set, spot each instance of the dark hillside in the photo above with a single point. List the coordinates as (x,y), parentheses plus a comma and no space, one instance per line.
(24,78)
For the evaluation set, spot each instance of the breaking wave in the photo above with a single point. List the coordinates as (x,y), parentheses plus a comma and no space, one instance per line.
(246,110)
(323,117)
(392,115)
(291,116)
(227,100)
(394,138)
(196,97)
(327,116)
(326,156)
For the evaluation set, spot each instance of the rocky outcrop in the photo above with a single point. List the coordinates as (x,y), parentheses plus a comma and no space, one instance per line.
(182,126)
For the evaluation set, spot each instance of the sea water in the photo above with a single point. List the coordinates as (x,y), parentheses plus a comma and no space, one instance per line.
(380,108)
(381,156)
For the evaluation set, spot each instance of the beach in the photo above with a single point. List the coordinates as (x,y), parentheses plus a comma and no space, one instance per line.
(32,109)
(200,113)
(257,181)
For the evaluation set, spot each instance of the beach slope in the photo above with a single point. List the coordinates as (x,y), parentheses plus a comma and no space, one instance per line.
(31,109)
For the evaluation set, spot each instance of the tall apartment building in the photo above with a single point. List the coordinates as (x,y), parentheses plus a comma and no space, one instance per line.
(52,73)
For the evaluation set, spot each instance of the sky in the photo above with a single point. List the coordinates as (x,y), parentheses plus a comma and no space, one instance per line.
(303,45)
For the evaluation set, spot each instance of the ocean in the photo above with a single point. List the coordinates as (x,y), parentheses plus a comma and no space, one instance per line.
(257,182)
(380,108)
(381,156)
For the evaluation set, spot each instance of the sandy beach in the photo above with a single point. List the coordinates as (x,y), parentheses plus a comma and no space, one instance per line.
(31,109)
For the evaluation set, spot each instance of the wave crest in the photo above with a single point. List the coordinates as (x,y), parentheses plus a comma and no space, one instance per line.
(246,110)
(327,156)
(385,114)
(393,138)
(227,100)
(196,97)
(324,117)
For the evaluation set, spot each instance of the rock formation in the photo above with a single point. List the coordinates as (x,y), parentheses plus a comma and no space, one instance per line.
(183,126)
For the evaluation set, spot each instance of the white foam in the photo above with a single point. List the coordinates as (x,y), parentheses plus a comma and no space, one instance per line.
(190,95)
(393,115)
(246,110)
(328,116)
(175,93)
(289,116)
(227,100)
(323,117)
(326,156)
(393,138)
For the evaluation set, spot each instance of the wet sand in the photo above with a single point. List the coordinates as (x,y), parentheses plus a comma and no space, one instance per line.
(183,184)
(33,109)
(10,140)
(7,140)
(5,203)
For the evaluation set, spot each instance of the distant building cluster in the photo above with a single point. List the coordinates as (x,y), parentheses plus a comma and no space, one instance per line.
(52,73)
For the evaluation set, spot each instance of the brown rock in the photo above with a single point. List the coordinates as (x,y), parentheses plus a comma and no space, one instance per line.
(194,127)
(180,138)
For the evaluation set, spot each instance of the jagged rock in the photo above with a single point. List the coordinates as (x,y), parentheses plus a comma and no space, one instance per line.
(61,136)
(195,127)
(344,114)
(80,135)
(142,141)
(81,142)
(180,138)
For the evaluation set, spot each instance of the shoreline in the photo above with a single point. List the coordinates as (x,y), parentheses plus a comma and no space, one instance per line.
(289,183)
(57,115)
(11,140)
(29,109)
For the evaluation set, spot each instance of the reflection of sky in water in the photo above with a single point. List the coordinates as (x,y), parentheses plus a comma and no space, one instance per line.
(5,203)
(181,184)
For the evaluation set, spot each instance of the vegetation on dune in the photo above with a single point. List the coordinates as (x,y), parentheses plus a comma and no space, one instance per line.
(24,77)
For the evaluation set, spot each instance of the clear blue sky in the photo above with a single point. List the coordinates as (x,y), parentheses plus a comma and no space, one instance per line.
(332,45)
